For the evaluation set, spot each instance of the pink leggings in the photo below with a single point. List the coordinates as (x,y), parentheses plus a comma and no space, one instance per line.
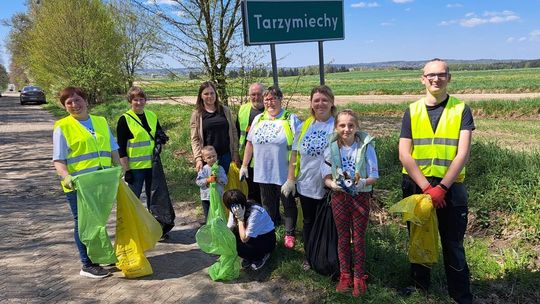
(351,213)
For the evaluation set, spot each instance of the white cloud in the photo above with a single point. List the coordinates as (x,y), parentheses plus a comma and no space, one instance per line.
(369,41)
(454,5)
(180,13)
(473,20)
(365,5)
(386,24)
(531,37)
(534,35)
(402,1)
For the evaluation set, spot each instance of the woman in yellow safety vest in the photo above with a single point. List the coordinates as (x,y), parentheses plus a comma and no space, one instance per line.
(269,141)
(307,156)
(137,131)
(81,143)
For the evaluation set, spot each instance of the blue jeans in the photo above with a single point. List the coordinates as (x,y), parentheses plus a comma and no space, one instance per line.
(72,200)
(224,161)
(141,176)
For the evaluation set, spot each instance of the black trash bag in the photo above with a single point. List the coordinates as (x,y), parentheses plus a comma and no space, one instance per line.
(160,202)
(321,252)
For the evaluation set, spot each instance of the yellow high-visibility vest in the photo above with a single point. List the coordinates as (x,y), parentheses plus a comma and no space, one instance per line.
(435,151)
(243,121)
(141,146)
(86,152)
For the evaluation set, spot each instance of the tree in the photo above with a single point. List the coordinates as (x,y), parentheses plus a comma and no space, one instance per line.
(4,80)
(142,37)
(202,32)
(20,25)
(74,42)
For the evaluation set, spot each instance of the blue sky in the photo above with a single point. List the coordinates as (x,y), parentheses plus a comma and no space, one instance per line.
(388,30)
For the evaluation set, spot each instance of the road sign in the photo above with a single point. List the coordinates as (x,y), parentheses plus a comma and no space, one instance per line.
(286,21)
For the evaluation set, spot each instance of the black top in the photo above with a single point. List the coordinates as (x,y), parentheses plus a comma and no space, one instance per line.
(123,133)
(216,131)
(252,113)
(434,113)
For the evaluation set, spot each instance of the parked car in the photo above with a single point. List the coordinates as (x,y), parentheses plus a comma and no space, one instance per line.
(32,94)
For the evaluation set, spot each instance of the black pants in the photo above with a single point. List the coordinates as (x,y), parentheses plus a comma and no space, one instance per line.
(206,208)
(452,225)
(309,211)
(270,198)
(255,248)
(253,187)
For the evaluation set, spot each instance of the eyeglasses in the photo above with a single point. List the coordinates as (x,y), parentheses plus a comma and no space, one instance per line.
(432,76)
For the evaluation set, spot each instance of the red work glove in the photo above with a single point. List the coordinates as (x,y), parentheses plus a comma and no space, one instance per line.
(437,194)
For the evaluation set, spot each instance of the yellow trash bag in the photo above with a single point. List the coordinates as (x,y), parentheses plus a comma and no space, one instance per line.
(136,231)
(424,232)
(234,182)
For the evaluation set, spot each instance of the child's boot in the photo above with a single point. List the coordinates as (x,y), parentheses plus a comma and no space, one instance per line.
(345,282)
(360,286)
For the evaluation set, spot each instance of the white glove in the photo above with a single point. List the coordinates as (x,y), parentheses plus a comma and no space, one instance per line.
(243,174)
(360,184)
(238,212)
(288,188)
(334,186)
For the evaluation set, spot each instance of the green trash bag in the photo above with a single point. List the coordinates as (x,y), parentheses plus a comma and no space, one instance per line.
(96,193)
(216,238)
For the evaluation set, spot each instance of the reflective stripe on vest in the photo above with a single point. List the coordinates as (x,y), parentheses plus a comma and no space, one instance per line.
(434,152)
(141,146)
(243,121)
(86,153)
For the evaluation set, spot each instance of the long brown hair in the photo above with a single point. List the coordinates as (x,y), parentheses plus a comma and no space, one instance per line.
(200,102)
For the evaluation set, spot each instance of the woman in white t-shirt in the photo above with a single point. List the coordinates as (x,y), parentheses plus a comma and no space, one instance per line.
(253,228)
(270,141)
(307,156)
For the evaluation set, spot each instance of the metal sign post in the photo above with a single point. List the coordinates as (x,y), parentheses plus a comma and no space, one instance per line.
(321,63)
(274,64)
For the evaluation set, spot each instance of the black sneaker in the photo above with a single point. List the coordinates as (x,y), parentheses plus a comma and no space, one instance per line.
(94,271)
(245,263)
(256,265)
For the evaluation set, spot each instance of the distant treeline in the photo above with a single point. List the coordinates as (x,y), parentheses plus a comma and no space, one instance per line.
(284,72)
(500,65)
(261,72)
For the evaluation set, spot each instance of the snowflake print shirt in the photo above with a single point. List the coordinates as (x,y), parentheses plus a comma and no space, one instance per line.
(270,153)
(309,182)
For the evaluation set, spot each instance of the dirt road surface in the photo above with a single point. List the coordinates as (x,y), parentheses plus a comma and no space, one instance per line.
(39,261)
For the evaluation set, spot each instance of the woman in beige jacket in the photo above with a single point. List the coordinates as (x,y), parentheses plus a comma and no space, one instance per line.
(212,124)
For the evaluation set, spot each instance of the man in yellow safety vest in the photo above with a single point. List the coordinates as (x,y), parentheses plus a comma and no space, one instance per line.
(246,114)
(434,147)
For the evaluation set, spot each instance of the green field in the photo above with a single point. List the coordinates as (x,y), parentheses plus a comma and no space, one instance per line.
(394,82)
(503,236)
